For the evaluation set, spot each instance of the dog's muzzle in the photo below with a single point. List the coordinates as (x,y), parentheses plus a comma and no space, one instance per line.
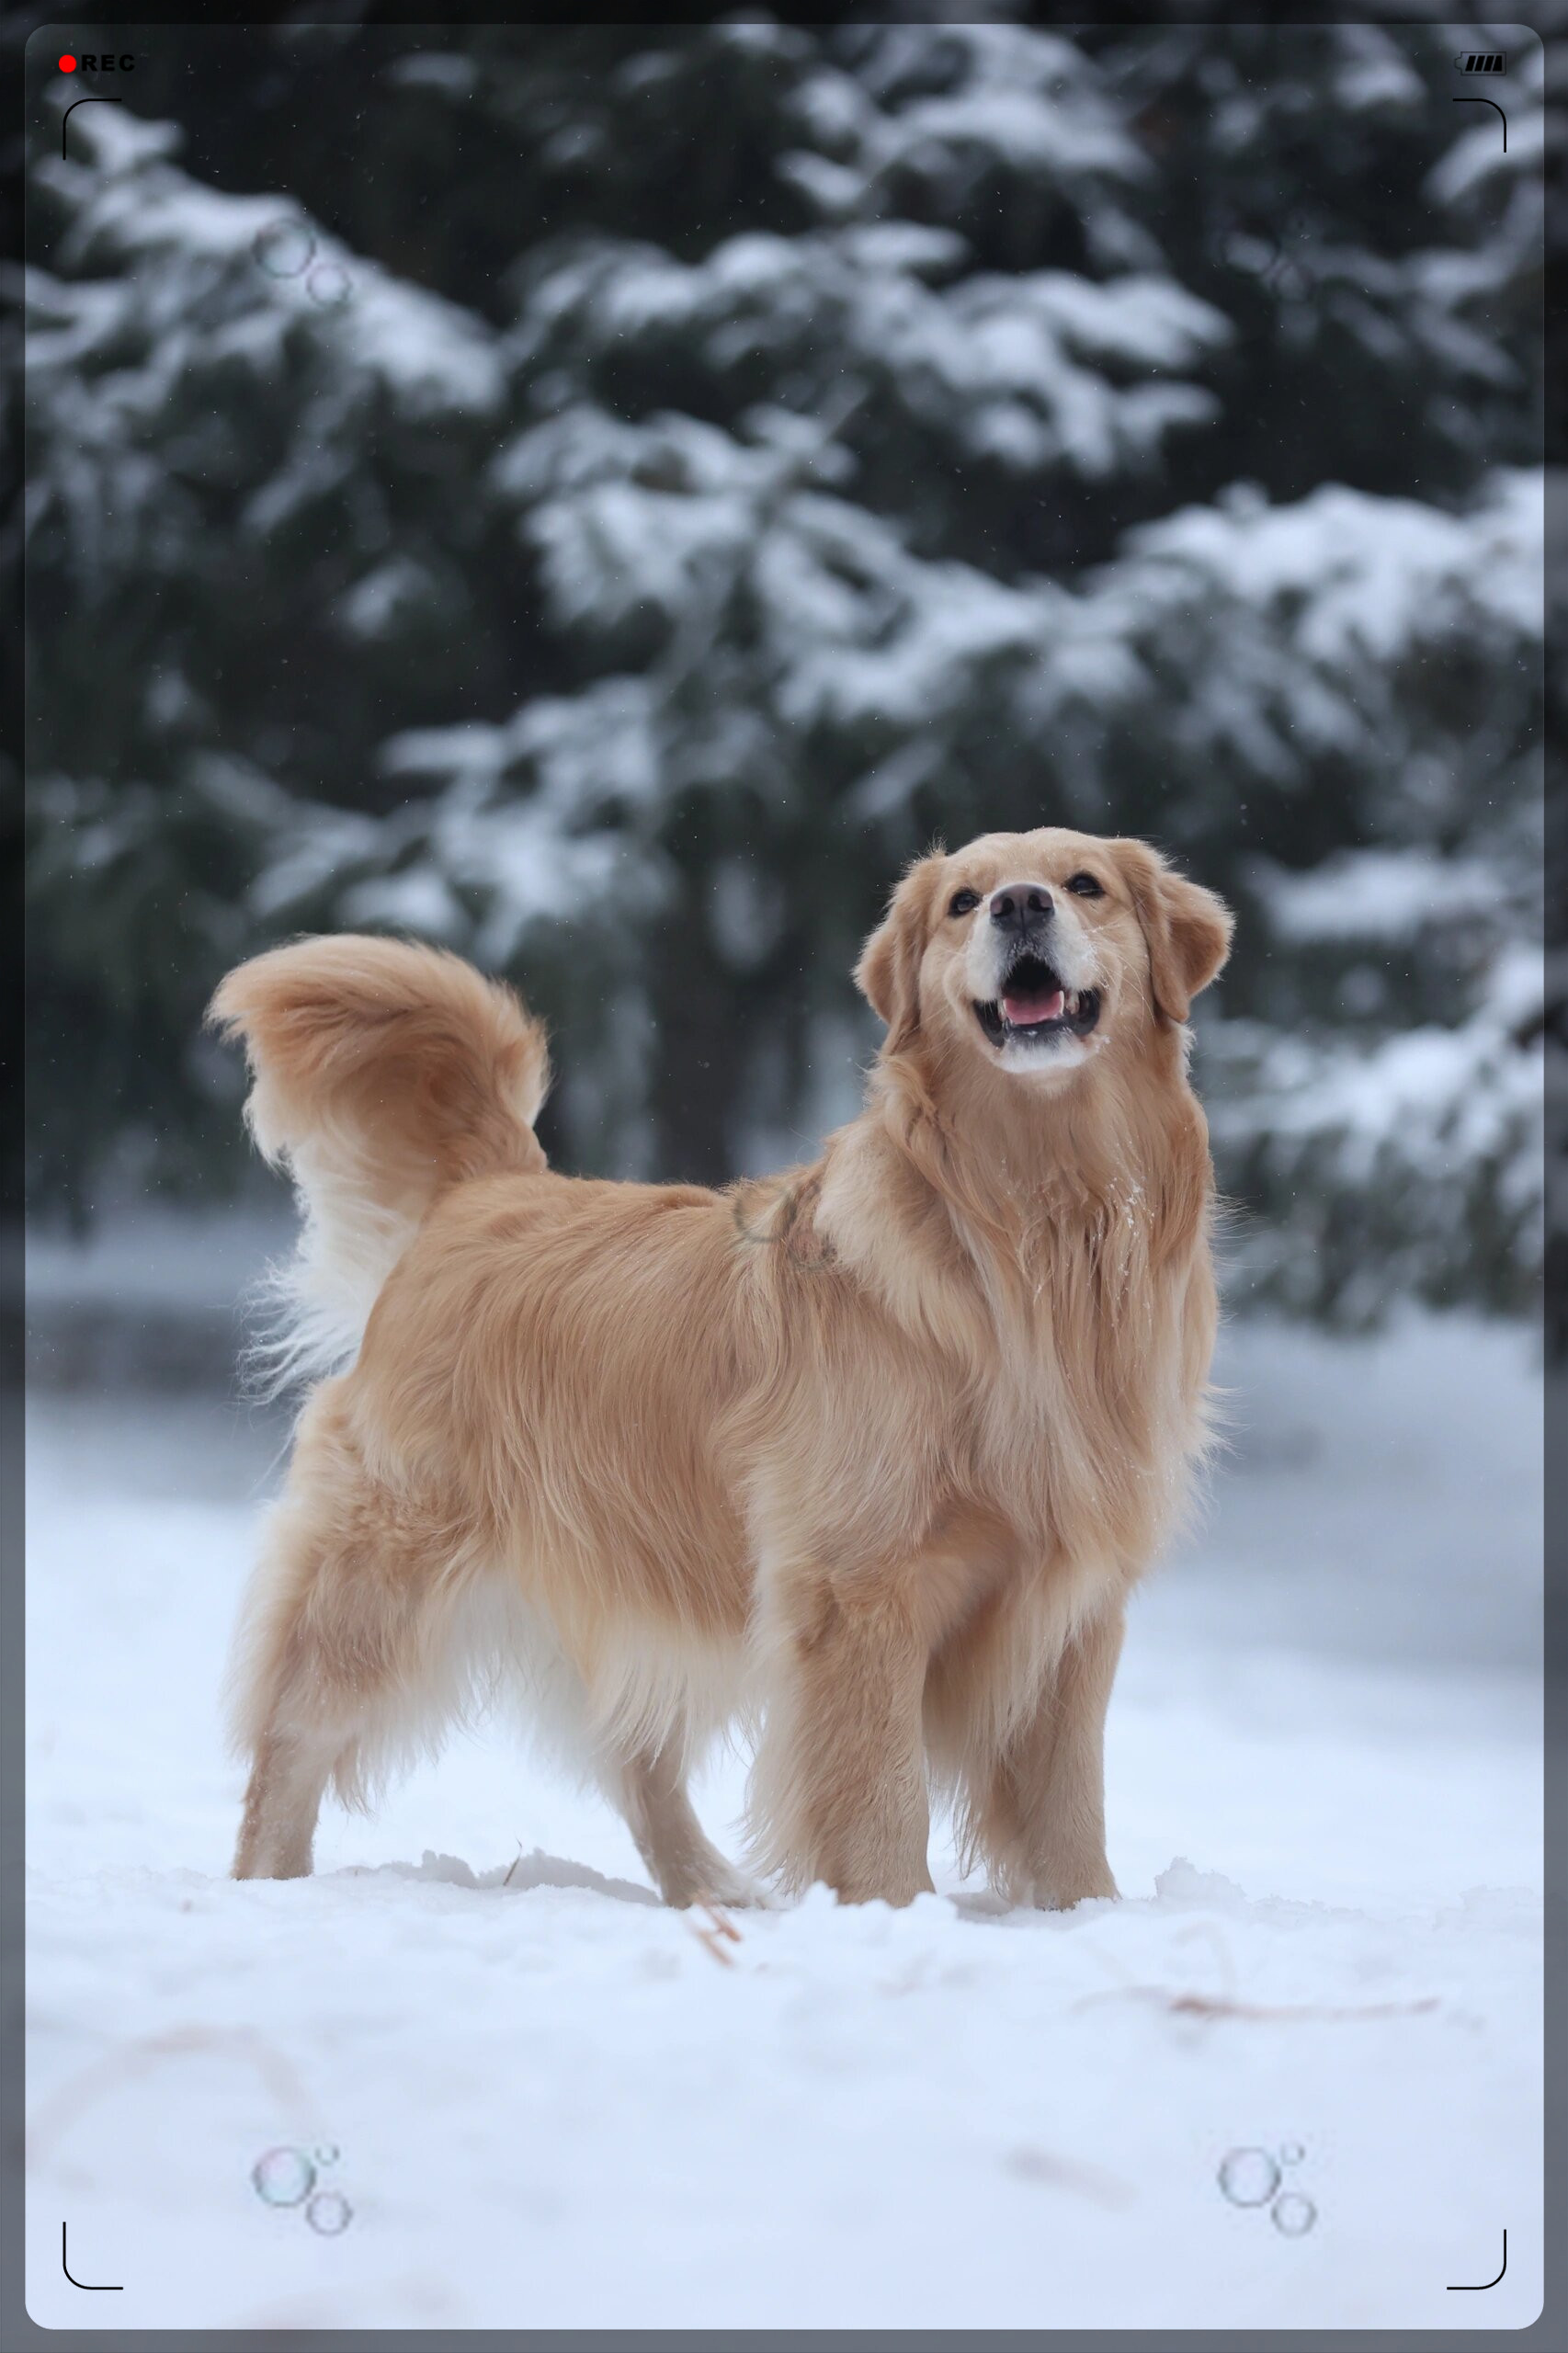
(1033,1003)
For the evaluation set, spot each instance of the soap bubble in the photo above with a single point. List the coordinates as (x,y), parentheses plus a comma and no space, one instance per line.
(329,2212)
(283,2176)
(1294,2214)
(328,2154)
(284,249)
(1248,2176)
(1291,2154)
(328,285)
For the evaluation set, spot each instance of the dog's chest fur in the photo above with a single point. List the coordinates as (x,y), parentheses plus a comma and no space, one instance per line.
(1088,1413)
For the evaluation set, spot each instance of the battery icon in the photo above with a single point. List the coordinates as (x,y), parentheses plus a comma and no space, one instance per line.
(1482,61)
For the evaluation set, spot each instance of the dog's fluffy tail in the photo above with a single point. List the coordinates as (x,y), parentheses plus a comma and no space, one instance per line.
(382,1073)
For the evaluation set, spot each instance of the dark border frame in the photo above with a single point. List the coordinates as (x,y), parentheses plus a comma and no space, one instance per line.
(17,34)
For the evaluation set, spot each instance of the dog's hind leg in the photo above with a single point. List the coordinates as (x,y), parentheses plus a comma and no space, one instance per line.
(289,1776)
(346,1653)
(287,1717)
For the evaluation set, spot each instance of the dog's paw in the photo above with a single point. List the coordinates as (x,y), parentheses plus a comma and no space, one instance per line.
(1060,1892)
(730,1890)
(715,1883)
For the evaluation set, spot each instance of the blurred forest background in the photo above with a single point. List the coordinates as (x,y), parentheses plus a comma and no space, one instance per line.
(604,498)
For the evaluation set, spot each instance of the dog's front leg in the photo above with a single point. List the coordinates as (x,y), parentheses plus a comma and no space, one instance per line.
(838,1788)
(1040,1817)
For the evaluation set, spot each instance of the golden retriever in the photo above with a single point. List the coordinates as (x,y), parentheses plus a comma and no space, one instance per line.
(866,1456)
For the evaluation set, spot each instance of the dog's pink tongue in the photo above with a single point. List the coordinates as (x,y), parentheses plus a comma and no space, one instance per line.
(1024,1006)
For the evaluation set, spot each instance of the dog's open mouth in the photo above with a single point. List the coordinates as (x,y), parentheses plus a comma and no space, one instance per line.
(1034,1004)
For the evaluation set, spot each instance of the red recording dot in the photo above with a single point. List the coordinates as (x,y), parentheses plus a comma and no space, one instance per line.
(68,65)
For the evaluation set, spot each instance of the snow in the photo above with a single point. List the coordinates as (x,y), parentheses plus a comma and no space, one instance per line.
(910,247)
(1386,894)
(1017,364)
(618,549)
(1004,353)
(518,831)
(184,241)
(1376,75)
(1370,574)
(1378,1094)
(553,2103)
(382,596)
(1480,156)
(1026,100)
(1027,131)
(455,76)
(1442,1099)
(418,900)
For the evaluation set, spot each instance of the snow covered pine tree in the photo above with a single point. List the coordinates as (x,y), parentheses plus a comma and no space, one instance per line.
(773,446)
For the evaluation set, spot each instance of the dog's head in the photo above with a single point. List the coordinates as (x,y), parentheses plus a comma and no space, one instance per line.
(1041,953)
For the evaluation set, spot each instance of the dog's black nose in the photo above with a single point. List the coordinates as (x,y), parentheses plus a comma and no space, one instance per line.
(1020,905)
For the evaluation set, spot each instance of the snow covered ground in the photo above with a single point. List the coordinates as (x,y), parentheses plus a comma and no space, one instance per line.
(547,2101)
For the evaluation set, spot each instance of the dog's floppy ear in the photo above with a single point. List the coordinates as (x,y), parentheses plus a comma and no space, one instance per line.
(1188,929)
(887,974)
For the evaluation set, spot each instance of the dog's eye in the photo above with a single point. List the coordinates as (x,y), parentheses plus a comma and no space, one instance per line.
(963,902)
(1085,886)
